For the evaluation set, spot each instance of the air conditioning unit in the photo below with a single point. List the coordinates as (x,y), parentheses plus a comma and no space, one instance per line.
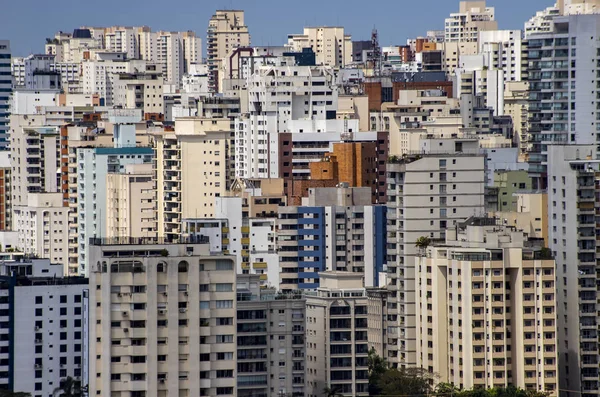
(38,341)
(162,311)
(119,294)
(182,310)
(37,366)
(164,293)
(38,328)
(185,293)
(125,314)
(162,380)
(126,330)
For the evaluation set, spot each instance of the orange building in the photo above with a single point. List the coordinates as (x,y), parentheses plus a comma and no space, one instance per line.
(358,164)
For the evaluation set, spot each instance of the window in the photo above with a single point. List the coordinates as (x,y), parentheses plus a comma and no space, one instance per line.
(225,356)
(224,304)
(224,373)
(224,265)
(224,338)
(63,299)
(224,287)
(39,300)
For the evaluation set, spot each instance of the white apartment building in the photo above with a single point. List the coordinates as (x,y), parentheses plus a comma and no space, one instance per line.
(147,300)
(226,32)
(337,336)
(487,309)
(122,39)
(42,225)
(504,50)
(190,171)
(99,74)
(472,18)
(5,91)
(46,339)
(427,194)
(251,240)
(130,202)
(282,99)
(573,177)
(94,165)
(332,46)
(475,78)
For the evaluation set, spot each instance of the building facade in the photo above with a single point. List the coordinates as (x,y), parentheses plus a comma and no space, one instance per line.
(426,195)
(146,300)
(487,309)
(45,339)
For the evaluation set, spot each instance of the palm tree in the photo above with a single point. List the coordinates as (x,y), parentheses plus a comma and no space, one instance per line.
(69,387)
(332,392)
(422,243)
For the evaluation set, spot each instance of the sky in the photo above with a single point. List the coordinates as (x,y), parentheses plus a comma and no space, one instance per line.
(26,23)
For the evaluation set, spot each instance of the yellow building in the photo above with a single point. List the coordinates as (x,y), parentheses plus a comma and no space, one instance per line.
(190,170)
(130,202)
(330,43)
(486,313)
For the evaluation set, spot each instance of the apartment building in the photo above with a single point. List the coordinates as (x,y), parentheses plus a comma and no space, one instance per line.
(244,225)
(356,159)
(427,193)
(331,45)
(5,90)
(561,101)
(487,309)
(270,341)
(142,90)
(226,32)
(5,192)
(283,99)
(573,187)
(472,17)
(504,50)
(44,340)
(146,299)
(42,225)
(515,105)
(99,73)
(94,164)
(130,202)
(337,329)
(336,229)
(190,170)
(35,158)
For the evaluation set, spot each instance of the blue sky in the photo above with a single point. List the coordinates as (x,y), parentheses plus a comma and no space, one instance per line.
(28,22)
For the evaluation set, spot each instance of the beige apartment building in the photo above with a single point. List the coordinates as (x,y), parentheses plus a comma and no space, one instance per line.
(486,315)
(332,46)
(337,334)
(42,227)
(146,302)
(142,90)
(130,202)
(226,32)
(191,167)
(427,194)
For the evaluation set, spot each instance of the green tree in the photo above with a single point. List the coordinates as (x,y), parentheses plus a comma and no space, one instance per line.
(422,243)
(332,392)
(377,367)
(69,387)
(405,381)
